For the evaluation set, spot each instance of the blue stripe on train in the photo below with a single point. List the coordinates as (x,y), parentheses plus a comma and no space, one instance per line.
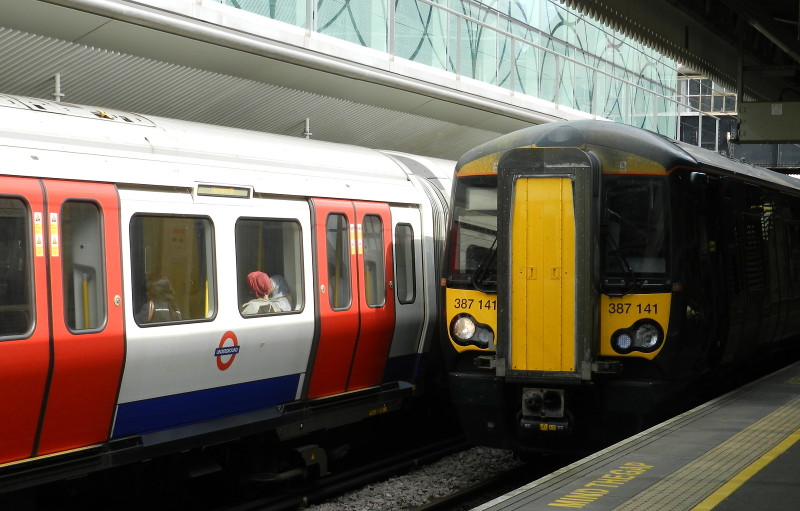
(192,407)
(403,368)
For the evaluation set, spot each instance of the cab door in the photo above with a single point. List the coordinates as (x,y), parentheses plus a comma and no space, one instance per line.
(24,329)
(356,311)
(87,341)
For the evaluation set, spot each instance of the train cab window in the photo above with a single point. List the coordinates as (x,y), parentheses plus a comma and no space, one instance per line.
(16,294)
(473,248)
(269,266)
(634,225)
(172,269)
(405,274)
(82,266)
(338,250)
(374,261)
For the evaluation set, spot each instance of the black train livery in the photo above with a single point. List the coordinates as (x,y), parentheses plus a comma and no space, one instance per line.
(600,276)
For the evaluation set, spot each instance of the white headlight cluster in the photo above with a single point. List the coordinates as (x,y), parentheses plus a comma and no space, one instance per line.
(645,335)
(466,331)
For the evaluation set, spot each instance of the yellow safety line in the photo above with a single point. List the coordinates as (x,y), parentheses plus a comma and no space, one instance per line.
(724,491)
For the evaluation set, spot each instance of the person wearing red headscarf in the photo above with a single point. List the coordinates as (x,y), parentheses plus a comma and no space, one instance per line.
(261,286)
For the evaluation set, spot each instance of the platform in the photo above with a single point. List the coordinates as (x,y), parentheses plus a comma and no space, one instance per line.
(740,451)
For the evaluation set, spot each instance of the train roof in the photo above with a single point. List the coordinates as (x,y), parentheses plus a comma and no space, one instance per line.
(57,140)
(669,153)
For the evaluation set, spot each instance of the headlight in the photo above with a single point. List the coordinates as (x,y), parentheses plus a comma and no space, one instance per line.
(623,341)
(466,331)
(645,335)
(464,327)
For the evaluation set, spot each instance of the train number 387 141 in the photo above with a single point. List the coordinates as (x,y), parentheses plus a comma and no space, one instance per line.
(638,308)
(469,303)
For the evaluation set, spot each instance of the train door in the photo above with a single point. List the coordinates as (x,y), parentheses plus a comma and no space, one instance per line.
(712,210)
(546,250)
(409,295)
(82,228)
(356,313)
(24,329)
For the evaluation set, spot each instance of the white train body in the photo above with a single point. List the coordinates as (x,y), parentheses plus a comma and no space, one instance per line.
(97,206)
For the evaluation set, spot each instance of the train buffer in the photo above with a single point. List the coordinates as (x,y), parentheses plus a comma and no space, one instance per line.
(740,451)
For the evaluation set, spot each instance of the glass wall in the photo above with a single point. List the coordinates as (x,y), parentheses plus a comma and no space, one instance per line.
(537,47)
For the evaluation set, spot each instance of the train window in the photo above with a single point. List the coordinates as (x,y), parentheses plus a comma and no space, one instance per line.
(172,268)
(338,249)
(474,236)
(405,275)
(374,262)
(793,253)
(82,266)
(635,225)
(269,266)
(16,294)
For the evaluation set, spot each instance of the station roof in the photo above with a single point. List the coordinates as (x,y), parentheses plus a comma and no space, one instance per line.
(753,43)
(194,61)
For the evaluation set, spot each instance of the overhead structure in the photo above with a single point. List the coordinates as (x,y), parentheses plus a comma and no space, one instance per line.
(200,60)
(209,62)
(753,46)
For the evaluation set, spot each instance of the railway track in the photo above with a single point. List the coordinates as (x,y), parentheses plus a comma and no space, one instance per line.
(356,477)
(500,484)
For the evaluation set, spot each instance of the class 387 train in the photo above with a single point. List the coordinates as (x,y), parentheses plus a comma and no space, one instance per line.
(599,277)
(166,285)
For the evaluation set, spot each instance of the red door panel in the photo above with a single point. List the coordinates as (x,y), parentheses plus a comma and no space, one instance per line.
(338,315)
(376,298)
(24,355)
(87,318)
(356,327)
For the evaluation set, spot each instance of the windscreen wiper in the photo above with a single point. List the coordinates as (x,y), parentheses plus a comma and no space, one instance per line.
(628,283)
(486,270)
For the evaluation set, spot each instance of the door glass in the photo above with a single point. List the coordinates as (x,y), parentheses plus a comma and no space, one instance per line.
(82,266)
(374,266)
(16,296)
(338,249)
(405,276)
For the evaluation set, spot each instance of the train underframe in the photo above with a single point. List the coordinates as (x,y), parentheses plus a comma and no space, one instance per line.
(542,416)
(290,441)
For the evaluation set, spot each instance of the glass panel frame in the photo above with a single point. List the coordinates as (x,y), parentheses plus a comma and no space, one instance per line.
(374,266)
(340,292)
(172,269)
(405,272)
(17,307)
(272,247)
(83,266)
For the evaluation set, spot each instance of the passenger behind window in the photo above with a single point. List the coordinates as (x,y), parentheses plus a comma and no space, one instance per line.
(271,294)
(261,286)
(161,304)
(281,296)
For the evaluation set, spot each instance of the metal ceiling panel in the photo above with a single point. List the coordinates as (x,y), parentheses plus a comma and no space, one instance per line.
(112,79)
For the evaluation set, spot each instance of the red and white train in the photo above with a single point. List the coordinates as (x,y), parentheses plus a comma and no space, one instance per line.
(99,207)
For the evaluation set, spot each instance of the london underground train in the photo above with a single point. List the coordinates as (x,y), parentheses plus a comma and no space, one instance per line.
(139,264)
(601,277)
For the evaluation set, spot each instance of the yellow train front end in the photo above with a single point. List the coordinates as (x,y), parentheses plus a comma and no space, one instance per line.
(546,316)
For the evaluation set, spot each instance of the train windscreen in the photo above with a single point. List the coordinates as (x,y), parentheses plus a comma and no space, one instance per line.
(634,227)
(473,246)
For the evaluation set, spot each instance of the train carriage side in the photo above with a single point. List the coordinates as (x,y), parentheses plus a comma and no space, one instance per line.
(591,281)
(158,228)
